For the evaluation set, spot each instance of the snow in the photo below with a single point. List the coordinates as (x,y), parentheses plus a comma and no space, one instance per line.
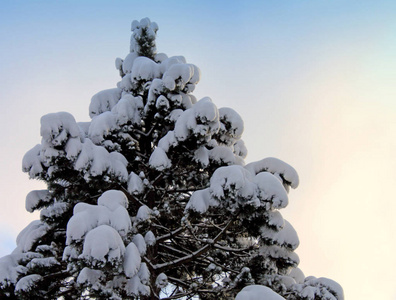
(57,127)
(201,155)
(102,244)
(257,292)
(297,275)
(118,166)
(84,127)
(277,252)
(275,219)
(135,184)
(150,27)
(176,99)
(54,210)
(167,141)
(104,101)
(149,238)
(222,155)
(206,111)
(275,166)
(128,62)
(34,197)
(27,283)
(144,68)
(101,126)
(85,218)
(118,63)
(132,286)
(95,160)
(161,280)
(112,199)
(233,179)
(200,201)
(73,147)
(30,234)
(313,286)
(159,160)
(111,210)
(143,214)
(231,125)
(167,63)
(132,260)
(240,148)
(135,287)
(309,292)
(155,89)
(121,221)
(272,190)
(31,162)
(287,281)
(286,237)
(160,57)
(162,103)
(126,84)
(202,119)
(89,276)
(179,75)
(235,185)
(140,243)
(8,269)
(144,273)
(42,262)
(128,109)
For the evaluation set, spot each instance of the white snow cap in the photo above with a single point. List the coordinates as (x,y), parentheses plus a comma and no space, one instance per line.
(111,210)
(286,237)
(90,276)
(31,162)
(102,244)
(30,234)
(234,186)
(112,199)
(233,179)
(56,128)
(161,281)
(231,125)
(313,286)
(159,160)
(135,184)
(104,101)
(128,109)
(200,201)
(297,275)
(202,119)
(144,69)
(96,160)
(34,197)
(132,260)
(257,292)
(27,283)
(275,166)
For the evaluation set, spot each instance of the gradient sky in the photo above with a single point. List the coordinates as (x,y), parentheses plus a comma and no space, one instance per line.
(314,82)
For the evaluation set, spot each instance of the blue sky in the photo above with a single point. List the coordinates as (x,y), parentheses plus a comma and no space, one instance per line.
(313,80)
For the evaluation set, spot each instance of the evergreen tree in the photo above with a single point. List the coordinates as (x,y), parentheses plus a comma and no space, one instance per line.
(152,199)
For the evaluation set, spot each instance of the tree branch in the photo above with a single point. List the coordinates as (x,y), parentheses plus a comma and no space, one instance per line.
(188,258)
(169,235)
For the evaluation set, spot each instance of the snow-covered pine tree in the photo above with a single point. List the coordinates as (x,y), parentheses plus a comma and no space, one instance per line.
(152,199)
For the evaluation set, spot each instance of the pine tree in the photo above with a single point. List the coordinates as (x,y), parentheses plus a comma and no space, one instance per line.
(152,199)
